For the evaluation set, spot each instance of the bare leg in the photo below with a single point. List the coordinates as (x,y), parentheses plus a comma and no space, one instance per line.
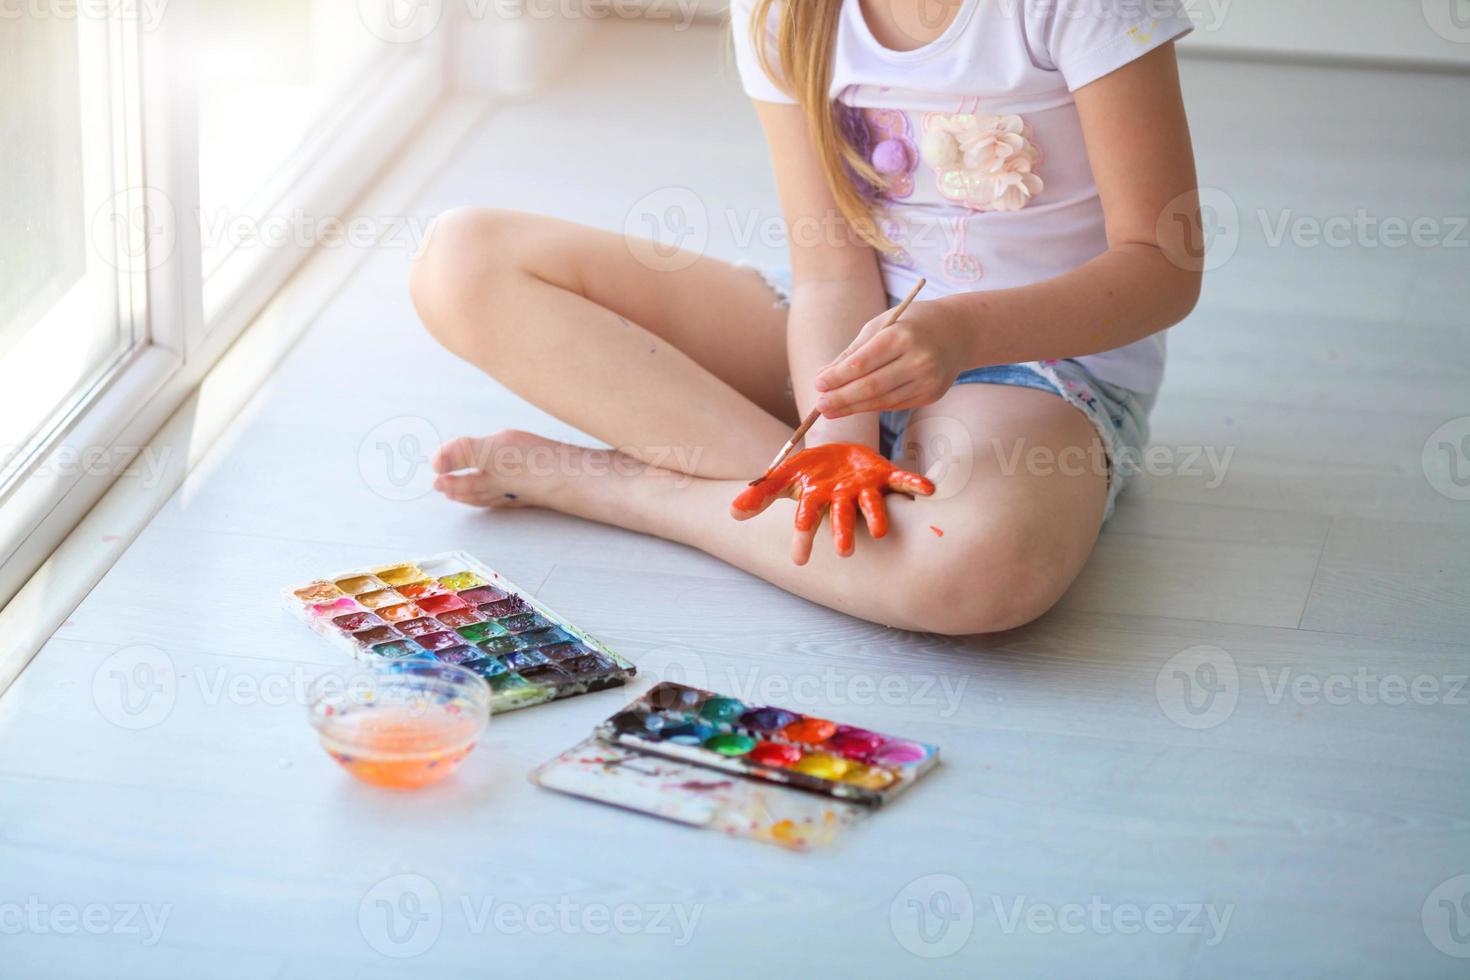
(1012,539)
(684,367)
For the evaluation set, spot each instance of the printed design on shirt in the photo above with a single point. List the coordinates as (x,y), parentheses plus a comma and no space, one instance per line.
(985,162)
(893,230)
(1137,33)
(959,264)
(893,152)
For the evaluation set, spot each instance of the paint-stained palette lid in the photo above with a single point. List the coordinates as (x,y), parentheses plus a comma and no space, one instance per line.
(693,795)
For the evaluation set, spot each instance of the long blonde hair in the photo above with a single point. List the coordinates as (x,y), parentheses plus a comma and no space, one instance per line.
(806,37)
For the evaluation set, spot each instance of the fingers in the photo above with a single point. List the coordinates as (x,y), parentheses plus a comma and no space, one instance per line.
(801,545)
(844,518)
(871,391)
(879,350)
(870,328)
(870,502)
(808,518)
(905,482)
(754,499)
(892,388)
(809,511)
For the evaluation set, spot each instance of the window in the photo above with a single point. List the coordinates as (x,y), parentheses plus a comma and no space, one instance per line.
(167,166)
(66,318)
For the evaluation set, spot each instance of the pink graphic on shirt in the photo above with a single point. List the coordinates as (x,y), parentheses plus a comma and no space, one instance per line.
(893,231)
(986,163)
(893,152)
(959,264)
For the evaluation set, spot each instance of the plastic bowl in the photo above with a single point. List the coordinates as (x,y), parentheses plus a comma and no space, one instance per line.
(401,724)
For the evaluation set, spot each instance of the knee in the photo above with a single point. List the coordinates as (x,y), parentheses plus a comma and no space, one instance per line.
(464,263)
(996,580)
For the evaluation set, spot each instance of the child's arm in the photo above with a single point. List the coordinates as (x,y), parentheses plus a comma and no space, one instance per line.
(836,283)
(1149,279)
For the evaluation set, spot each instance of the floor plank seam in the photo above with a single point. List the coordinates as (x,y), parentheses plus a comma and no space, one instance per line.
(1312,586)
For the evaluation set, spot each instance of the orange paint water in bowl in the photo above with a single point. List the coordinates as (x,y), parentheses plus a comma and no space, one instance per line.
(403,724)
(402,747)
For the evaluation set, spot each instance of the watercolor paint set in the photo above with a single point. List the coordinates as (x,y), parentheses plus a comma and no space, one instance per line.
(452,609)
(755,771)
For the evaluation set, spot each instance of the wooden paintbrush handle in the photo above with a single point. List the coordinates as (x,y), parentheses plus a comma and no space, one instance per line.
(811,419)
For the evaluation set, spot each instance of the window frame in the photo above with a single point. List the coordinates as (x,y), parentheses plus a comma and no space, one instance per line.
(176,339)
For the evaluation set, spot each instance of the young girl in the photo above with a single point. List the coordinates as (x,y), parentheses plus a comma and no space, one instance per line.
(1029,158)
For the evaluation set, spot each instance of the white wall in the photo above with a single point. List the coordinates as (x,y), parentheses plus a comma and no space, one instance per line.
(1414,30)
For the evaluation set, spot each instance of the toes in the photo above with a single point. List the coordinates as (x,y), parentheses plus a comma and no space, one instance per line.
(464,453)
(465,489)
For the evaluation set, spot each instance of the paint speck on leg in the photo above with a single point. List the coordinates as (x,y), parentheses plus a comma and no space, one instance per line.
(938,532)
(511,496)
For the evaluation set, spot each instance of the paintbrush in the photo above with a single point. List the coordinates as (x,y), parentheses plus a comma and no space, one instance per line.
(811,420)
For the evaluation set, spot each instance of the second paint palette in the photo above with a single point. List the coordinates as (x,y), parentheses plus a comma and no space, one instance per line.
(452,609)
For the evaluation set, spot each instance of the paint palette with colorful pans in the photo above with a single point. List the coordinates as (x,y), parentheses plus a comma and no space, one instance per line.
(769,743)
(452,609)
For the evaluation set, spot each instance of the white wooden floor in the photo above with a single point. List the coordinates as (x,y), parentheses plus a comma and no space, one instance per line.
(1086,821)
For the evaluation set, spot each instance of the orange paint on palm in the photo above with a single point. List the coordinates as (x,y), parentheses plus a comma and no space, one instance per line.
(842,477)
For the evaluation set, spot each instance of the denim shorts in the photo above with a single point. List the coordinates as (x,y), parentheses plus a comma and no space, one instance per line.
(1118,414)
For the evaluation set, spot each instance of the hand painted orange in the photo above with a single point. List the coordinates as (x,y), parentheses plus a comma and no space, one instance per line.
(840,476)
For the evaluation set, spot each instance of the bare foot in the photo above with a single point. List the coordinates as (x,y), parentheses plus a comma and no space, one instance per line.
(498,471)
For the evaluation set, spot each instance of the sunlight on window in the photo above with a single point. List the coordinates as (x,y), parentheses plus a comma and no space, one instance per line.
(269,71)
(60,326)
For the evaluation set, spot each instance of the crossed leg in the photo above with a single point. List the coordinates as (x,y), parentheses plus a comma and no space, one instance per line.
(696,359)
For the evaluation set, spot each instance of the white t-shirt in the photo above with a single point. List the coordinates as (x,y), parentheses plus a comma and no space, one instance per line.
(988,182)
